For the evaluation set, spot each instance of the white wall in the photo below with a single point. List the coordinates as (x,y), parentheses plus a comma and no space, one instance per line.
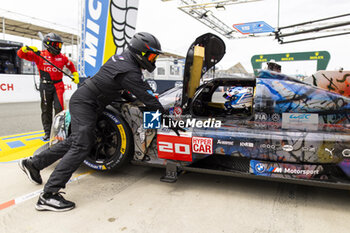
(21,88)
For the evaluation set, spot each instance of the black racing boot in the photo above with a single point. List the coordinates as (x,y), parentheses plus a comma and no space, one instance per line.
(33,174)
(53,202)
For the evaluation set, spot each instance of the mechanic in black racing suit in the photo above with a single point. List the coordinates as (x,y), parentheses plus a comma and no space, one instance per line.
(120,72)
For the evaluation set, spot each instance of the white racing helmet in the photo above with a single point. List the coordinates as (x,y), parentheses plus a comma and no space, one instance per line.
(238,97)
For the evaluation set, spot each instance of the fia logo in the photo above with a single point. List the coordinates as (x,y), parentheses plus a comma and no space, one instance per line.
(151,120)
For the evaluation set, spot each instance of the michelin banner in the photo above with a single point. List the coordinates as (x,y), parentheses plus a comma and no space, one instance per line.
(107,27)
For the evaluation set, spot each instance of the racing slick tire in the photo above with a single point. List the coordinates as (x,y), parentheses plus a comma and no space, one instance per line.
(114,143)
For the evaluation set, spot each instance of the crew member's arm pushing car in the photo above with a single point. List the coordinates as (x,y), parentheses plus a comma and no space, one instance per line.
(133,83)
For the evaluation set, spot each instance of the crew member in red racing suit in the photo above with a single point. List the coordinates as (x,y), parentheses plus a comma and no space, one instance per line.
(51,85)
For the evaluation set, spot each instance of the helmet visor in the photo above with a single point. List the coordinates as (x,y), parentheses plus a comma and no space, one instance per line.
(56,45)
(152,57)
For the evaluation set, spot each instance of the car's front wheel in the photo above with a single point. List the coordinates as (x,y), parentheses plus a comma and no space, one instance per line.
(114,143)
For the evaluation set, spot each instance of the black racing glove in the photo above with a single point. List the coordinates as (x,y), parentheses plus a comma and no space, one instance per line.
(128,96)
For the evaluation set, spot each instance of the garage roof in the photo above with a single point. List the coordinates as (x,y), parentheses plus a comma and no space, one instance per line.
(28,27)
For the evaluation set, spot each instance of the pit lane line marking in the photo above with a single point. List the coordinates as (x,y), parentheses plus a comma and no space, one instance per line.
(22,135)
(18,146)
(31,195)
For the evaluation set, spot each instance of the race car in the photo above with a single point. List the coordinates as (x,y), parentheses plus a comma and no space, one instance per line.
(271,127)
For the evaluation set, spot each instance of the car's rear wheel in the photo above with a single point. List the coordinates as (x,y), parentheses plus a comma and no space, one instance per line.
(114,144)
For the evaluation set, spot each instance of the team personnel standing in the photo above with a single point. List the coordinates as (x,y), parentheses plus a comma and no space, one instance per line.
(51,85)
(120,72)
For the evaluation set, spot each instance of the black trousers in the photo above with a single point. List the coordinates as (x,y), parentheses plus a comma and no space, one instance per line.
(83,108)
(49,99)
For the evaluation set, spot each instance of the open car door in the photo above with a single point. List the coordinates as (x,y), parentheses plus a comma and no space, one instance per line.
(206,51)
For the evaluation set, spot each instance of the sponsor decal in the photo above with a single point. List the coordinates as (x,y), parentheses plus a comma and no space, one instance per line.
(174,147)
(261,59)
(6,87)
(276,170)
(300,116)
(268,146)
(316,57)
(95,21)
(151,120)
(329,151)
(275,117)
(177,112)
(112,117)
(246,144)
(123,137)
(260,167)
(294,171)
(94,166)
(50,69)
(300,120)
(222,142)
(346,153)
(287,148)
(266,169)
(261,116)
(287,59)
(108,27)
(308,149)
(202,145)
(68,87)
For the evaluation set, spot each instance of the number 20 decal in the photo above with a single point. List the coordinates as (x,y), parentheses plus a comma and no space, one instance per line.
(177,148)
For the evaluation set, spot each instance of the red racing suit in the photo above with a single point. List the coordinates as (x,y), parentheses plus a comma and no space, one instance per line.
(51,85)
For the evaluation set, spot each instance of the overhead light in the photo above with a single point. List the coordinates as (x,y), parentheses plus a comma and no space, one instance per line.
(220,7)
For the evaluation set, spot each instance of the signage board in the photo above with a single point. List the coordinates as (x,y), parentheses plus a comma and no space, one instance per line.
(253,27)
